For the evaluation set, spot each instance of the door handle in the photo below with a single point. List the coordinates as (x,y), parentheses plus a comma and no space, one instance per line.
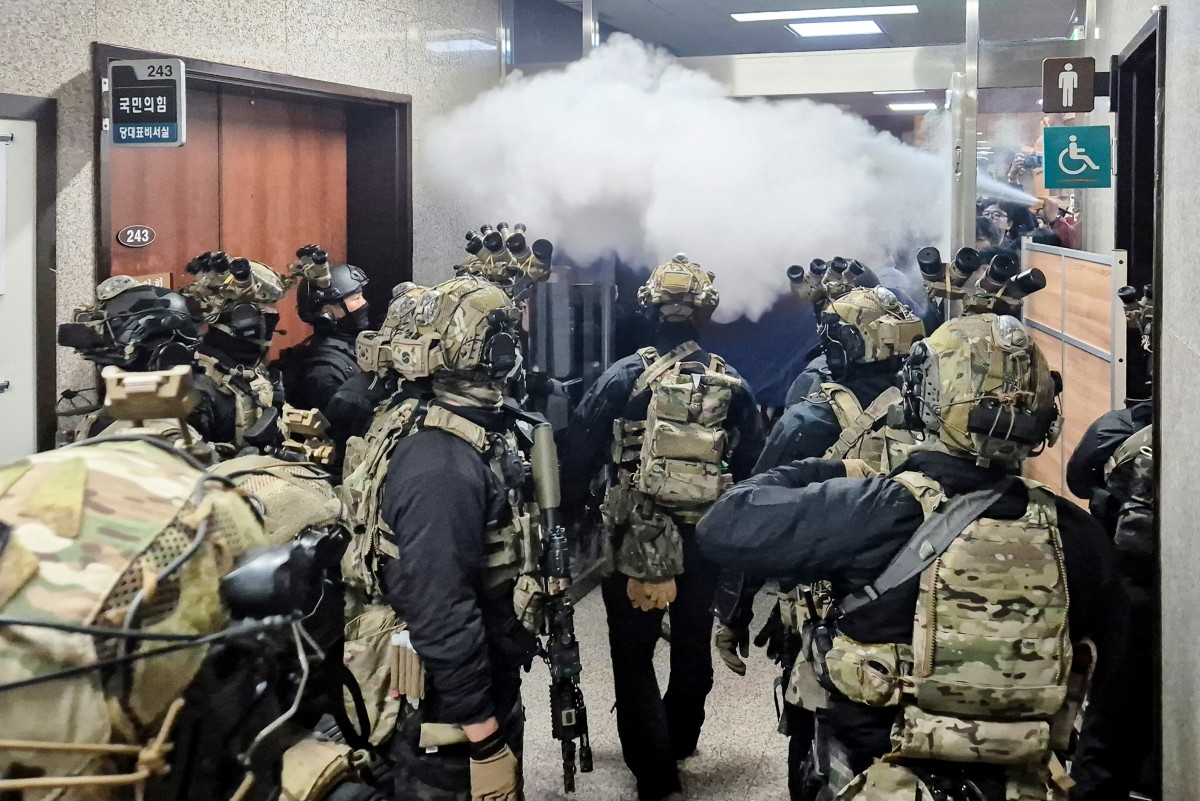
(3,386)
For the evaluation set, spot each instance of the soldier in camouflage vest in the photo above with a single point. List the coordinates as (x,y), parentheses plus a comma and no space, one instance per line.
(445,544)
(137,327)
(865,335)
(1113,468)
(676,427)
(960,593)
(239,300)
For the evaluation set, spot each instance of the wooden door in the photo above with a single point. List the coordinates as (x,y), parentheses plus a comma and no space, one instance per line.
(258,177)
(283,185)
(174,191)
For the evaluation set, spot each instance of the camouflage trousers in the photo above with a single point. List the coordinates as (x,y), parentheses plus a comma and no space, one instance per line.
(444,774)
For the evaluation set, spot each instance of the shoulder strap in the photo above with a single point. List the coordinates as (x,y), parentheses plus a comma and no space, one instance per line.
(661,365)
(928,542)
(717,365)
(442,418)
(861,421)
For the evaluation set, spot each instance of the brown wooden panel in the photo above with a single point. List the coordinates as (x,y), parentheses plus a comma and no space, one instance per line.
(283,185)
(1048,466)
(1090,303)
(171,189)
(1045,306)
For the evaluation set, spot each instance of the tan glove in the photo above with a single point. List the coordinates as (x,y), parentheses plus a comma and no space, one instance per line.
(649,594)
(857,468)
(729,642)
(494,778)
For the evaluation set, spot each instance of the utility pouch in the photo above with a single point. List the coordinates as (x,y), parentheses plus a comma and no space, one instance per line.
(652,547)
(440,735)
(676,482)
(529,601)
(923,735)
(371,659)
(871,674)
(617,505)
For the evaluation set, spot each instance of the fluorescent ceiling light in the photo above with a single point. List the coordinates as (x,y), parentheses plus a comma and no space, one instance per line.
(912,106)
(901,92)
(823,13)
(458,45)
(855,27)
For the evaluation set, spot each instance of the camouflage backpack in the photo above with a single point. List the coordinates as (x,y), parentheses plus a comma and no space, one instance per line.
(85,532)
(669,468)
(976,685)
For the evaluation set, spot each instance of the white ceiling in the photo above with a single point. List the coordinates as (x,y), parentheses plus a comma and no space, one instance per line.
(704,27)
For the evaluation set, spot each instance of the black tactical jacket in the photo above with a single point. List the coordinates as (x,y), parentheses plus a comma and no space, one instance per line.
(584,445)
(316,369)
(810,378)
(439,496)
(807,522)
(1085,470)
(810,427)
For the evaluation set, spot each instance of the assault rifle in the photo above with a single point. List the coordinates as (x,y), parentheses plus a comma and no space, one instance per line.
(561,650)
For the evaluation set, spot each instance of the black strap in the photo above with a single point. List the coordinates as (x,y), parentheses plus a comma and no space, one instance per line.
(928,542)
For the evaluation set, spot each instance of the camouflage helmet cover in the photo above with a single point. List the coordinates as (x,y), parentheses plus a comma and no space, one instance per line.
(887,327)
(681,290)
(445,329)
(89,529)
(985,359)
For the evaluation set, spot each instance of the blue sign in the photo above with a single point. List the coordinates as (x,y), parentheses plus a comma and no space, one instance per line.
(147,102)
(1077,157)
(130,134)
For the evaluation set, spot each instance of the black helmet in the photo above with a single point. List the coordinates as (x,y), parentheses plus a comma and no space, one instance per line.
(135,326)
(344,280)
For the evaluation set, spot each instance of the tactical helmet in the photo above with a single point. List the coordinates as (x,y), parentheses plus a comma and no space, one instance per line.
(865,326)
(681,290)
(504,257)
(343,281)
(135,326)
(237,296)
(140,540)
(466,327)
(981,384)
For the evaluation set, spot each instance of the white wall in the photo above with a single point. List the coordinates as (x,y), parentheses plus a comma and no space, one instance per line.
(45,51)
(1179,375)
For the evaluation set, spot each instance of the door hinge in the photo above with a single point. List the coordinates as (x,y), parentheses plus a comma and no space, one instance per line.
(105,105)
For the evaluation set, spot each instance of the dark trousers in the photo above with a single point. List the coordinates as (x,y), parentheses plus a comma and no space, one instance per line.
(444,774)
(656,730)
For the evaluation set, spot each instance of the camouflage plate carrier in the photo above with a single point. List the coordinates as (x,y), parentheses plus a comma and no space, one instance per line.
(864,435)
(378,648)
(986,678)
(248,406)
(670,468)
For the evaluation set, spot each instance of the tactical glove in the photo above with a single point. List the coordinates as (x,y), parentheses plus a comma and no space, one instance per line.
(650,594)
(857,468)
(494,770)
(729,642)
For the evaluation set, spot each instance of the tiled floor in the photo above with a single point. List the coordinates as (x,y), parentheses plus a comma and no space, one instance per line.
(741,757)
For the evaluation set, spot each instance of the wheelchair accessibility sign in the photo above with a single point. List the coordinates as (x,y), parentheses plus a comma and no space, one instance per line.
(1077,157)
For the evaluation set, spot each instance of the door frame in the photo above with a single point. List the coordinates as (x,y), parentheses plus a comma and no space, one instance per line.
(379,235)
(44,112)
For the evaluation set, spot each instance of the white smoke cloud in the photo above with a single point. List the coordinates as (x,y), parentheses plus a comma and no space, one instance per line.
(626,151)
